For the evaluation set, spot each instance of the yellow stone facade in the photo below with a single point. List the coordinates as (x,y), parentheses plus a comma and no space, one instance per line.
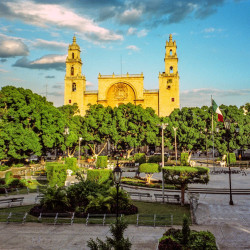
(114,90)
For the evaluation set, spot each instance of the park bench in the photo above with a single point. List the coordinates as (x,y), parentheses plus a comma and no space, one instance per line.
(12,200)
(168,197)
(140,195)
(38,198)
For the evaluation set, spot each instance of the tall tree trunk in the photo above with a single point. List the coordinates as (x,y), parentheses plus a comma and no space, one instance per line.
(129,151)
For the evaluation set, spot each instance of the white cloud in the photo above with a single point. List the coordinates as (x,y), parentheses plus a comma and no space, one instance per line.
(88,84)
(45,15)
(132,47)
(212,30)
(133,31)
(130,16)
(142,33)
(54,45)
(13,48)
(50,59)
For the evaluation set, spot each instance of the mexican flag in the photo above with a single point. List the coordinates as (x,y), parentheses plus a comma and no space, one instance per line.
(216,109)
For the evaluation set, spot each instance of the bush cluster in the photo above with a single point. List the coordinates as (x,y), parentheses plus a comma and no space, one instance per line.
(157,159)
(231,158)
(140,158)
(83,198)
(99,175)
(149,168)
(56,174)
(184,159)
(71,164)
(102,161)
(180,239)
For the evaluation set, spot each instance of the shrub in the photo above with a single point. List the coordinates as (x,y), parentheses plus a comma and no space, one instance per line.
(140,158)
(202,240)
(71,164)
(16,183)
(56,174)
(184,159)
(102,161)
(99,175)
(157,159)
(168,242)
(149,168)
(3,168)
(231,158)
(8,177)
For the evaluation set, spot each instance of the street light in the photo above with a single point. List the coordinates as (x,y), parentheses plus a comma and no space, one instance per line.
(117,174)
(227,125)
(79,155)
(162,126)
(66,133)
(175,143)
(206,144)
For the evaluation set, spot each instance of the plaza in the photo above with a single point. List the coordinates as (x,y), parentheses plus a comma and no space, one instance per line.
(229,224)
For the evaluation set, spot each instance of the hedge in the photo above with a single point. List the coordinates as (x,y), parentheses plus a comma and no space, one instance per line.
(102,162)
(231,158)
(188,169)
(8,177)
(99,175)
(157,159)
(140,158)
(149,168)
(56,174)
(71,164)
(184,159)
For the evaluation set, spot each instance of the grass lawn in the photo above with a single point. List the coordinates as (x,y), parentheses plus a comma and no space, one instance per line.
(146,214)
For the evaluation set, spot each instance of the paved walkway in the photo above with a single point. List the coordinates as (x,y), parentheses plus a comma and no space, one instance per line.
(230,224)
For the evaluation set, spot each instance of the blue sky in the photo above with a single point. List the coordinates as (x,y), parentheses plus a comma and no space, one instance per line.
(212,37)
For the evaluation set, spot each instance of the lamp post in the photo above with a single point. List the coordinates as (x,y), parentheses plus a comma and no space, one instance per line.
(79,153)
(227,125)
(175,144)
(66,133)
(206,144)
(162,126)
(117,173)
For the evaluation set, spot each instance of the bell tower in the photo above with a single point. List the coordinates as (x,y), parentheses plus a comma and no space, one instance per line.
(75,82)
(169,81)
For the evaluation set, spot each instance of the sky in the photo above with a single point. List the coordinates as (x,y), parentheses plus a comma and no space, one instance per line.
(118,36)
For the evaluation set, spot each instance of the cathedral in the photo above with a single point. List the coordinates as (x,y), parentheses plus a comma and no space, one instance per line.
(114,90)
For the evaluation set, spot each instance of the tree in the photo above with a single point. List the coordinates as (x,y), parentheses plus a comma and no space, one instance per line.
(117,242)
(180,177)
(27,116)
(136,127)
(149,169)
(99,127)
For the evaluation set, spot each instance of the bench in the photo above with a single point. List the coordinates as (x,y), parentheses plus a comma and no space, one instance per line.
(140,195)
(11,200)
(168,197)
(38,198)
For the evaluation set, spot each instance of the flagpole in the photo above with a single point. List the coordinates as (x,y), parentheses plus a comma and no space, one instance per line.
(212,128)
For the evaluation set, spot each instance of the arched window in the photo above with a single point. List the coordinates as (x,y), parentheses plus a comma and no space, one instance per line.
(72,71)
(170,52)
(73,55)
(73,87)
(171,70)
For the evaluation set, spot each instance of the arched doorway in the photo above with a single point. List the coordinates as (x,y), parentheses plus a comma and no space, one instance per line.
(120,93)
